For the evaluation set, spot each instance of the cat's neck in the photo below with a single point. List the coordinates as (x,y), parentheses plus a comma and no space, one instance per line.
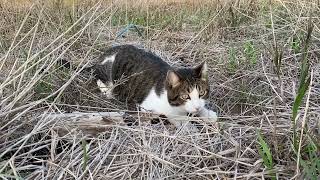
(162,103)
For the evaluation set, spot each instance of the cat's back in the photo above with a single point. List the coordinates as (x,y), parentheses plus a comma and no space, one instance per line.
(130,59)
(138,71)
(129,54)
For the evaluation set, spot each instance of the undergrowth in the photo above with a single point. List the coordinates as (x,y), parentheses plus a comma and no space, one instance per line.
(263,58)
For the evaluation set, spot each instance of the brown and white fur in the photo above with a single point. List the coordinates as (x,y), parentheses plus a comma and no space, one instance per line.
(153,84)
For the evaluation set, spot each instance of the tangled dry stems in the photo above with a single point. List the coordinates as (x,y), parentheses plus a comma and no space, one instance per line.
(248,96)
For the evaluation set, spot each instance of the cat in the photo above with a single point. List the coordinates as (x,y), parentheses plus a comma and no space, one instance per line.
(134,75)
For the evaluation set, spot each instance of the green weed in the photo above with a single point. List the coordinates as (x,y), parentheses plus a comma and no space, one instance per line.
(309,156)
(304,82)
(232,63)
(311,162)
(265,153)
(46,85)
(277,59)
(85,154)
(44,88)
(250,52)
(296,45)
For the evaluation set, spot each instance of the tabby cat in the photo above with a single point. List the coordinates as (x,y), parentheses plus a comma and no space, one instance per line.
(134,75)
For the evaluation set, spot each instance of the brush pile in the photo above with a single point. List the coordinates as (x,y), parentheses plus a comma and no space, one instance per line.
(264,63)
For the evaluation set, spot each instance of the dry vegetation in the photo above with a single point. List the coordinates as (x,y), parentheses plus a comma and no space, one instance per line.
(265,72)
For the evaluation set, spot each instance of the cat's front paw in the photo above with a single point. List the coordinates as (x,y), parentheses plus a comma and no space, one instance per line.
(210,115)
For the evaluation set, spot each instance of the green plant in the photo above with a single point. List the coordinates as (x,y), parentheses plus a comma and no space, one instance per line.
(311,162)
(43,88)
(250,52)
(295,45)
(265,153)
(277,59)
(308,158)
(304,83)
(232,59)
(85,154)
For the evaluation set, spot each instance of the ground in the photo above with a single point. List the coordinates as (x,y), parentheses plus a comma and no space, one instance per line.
(263,58)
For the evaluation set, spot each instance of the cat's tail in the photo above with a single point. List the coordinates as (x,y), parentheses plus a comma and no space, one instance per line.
(102,69)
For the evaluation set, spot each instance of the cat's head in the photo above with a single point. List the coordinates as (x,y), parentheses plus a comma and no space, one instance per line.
(188,88)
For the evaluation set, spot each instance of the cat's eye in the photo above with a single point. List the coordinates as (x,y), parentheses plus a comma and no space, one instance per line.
(202,92)
(185,96)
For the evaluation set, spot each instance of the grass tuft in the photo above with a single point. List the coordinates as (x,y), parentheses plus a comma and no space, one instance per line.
(250,53)
(265,153)
(304,83)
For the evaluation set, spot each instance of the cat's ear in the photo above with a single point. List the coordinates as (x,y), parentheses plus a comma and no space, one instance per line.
(202,71)
(173,78)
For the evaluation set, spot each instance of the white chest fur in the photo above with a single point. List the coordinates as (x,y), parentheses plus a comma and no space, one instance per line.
(160,104)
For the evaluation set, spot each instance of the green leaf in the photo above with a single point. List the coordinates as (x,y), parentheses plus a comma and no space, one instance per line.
(250,52)
(85,154)
(232,59)
(265,152)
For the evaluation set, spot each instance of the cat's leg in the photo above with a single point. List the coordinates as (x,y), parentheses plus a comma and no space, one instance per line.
(207,113)
(106,89)
(183,123)
(176,121)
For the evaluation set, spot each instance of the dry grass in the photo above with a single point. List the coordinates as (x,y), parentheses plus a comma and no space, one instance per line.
(249,91)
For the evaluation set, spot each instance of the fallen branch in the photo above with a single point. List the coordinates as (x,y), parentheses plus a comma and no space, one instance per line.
(95,123)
